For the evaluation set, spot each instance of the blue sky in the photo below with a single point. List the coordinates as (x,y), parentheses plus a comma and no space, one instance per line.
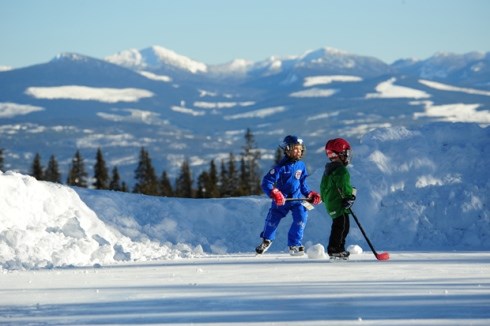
(213,32)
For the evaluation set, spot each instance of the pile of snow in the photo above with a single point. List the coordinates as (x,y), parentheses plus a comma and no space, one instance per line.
(45,224)
(354,249)
(316,251)
(423,189)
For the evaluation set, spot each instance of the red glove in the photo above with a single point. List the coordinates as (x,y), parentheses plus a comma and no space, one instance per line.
(314,198)
(278,197)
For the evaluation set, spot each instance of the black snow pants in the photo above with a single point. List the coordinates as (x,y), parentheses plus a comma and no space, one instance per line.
(340,229)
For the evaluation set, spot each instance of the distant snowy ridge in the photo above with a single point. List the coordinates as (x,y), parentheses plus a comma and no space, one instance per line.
(437,66)
(322,60)
(155,57)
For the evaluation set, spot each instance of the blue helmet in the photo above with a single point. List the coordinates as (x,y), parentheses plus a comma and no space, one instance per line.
(289,142)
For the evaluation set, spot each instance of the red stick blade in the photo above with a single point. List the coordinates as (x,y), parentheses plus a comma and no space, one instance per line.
(383,256)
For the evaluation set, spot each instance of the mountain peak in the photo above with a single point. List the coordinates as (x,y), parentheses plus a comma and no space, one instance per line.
(158,55)
(131,58)
(234,67)
(313,55)
(155,57)
(70,56)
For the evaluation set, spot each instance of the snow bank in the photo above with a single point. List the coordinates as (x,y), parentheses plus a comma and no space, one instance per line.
(426,189)
(43,224)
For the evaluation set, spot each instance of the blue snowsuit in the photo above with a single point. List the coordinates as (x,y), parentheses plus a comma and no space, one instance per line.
(290,178)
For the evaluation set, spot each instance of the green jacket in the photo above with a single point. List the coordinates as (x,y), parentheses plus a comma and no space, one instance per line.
(335,185)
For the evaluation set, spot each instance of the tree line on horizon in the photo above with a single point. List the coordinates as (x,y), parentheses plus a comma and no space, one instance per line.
(234,177)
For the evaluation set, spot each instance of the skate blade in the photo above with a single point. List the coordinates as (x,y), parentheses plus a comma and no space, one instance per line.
(338,259)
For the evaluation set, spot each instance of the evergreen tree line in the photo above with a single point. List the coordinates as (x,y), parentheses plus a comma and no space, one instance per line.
(77,175)
(1,159)
(235,177)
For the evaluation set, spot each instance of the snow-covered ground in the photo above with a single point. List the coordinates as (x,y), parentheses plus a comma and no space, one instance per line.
(411,289)
(81,256)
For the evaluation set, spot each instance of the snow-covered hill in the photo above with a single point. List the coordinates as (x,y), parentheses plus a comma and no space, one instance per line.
(418,189)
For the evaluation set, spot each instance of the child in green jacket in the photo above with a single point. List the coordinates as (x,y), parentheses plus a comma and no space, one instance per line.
(338,195)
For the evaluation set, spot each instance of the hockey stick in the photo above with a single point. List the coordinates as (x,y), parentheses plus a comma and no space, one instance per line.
(304,201)
(379,256)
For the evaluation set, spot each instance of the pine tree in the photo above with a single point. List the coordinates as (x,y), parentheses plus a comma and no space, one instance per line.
(250,174)
(101,175)
(52,173)
(212,188)
(115,182)
(1,160)
(202,182)
(233,176)
(207,183)
(37,168)
(183,184)
(223,180)
(146,179)
(77,175)
(230,179)
(244,184)
(124,187)
(165,187)
(278,156)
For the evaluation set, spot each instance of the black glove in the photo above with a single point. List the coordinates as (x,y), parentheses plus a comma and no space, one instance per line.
(348,202)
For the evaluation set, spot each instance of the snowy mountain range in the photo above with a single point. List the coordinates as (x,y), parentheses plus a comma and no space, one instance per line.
(180,108)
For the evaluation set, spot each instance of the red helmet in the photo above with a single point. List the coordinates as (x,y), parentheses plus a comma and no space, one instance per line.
(338,148)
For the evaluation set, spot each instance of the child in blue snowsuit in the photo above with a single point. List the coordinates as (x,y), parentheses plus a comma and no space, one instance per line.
(287,180)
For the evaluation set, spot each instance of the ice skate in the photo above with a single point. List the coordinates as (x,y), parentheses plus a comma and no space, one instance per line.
(343,255)
(296,250)
(263,246)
